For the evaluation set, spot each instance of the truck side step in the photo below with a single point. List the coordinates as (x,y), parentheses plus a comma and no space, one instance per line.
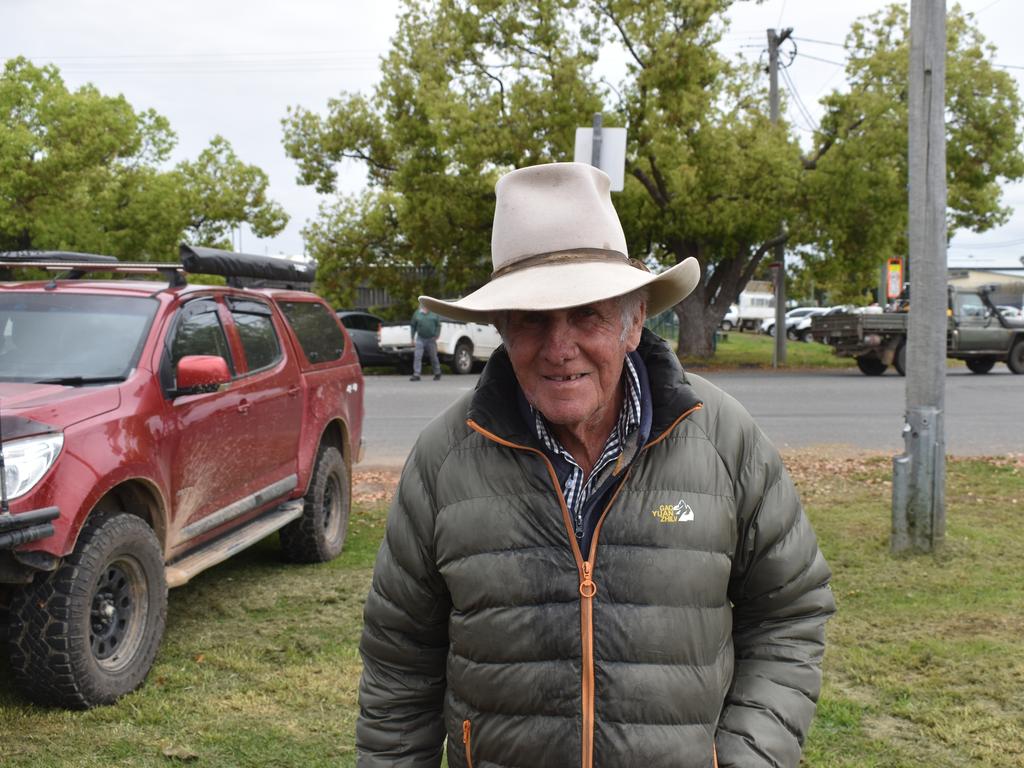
(181,571)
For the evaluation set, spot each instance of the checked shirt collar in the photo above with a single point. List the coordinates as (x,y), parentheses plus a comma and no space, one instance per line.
(623,443)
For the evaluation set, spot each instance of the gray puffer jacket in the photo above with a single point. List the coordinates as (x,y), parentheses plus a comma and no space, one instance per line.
(695,624)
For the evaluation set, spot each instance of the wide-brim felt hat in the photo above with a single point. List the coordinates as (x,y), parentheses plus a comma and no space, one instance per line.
(556,243)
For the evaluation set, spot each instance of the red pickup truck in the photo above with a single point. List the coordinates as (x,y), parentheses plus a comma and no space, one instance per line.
(150,430)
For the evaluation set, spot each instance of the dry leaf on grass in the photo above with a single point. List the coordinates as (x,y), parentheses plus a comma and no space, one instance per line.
(181,754)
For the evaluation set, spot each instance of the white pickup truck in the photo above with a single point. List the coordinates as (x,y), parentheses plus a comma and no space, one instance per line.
(460,345)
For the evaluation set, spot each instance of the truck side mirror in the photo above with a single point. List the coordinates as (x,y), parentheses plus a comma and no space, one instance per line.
(201,373)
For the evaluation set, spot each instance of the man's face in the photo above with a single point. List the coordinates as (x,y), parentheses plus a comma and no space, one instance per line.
(569,361)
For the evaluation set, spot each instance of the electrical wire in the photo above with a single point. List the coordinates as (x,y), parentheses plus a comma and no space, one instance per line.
(801,107)
(214,63)
(819,42)
(825,61)
(1002,244)
(994,2)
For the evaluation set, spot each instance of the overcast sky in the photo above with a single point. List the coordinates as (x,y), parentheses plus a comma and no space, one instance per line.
(233,68)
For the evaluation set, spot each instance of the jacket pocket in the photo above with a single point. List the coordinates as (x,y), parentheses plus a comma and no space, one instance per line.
(467,733)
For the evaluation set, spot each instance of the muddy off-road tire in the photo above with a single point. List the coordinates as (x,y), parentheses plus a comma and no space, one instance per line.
(1015,362)
(87,634)
(870,365)
(980,364)
(899,360)
(319,534)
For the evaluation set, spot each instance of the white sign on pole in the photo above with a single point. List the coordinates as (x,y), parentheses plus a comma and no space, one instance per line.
(613,152)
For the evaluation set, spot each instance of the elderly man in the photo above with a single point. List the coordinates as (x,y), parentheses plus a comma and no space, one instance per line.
(594,559)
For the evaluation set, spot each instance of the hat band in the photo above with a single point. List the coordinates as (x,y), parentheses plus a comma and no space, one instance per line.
(561,257)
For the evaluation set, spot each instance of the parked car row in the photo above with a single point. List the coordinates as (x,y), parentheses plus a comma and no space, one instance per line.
(798,320)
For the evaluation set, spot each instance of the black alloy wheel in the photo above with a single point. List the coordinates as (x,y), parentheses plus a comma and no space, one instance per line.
(87,634)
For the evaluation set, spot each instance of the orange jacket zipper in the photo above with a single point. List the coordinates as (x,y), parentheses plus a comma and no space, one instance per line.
(466,728)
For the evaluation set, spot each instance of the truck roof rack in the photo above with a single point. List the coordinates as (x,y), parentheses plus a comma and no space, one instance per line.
(75,266)
(6,256)
(240,270)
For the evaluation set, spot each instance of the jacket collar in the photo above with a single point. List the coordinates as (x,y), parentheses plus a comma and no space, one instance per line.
(494,407)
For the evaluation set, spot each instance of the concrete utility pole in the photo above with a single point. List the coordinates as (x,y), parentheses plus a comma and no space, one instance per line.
(779,357)
(919,475)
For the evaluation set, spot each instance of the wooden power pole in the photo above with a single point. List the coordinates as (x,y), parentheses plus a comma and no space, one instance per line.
(779,357)
(919,474)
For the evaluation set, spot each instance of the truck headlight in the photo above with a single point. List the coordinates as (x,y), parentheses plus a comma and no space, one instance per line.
(26,461)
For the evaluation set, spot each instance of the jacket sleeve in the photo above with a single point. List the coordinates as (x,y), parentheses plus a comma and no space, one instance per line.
(405,639)
(781,601)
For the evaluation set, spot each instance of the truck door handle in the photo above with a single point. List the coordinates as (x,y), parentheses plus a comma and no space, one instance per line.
(293,391)
(243,406)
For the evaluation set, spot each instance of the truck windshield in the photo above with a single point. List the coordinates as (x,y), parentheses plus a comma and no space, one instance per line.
(71,338)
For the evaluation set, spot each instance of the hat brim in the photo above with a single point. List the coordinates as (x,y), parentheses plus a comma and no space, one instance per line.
(566,284)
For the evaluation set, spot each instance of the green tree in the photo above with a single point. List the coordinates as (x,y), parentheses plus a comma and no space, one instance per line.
(855,189)
(83,171)
(471,90)
(220,192)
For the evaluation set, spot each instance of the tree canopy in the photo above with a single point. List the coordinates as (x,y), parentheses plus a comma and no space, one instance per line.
(855,206)
(83,171)
(471,90)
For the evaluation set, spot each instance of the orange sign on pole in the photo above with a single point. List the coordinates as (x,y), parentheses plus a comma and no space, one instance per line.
(894,279)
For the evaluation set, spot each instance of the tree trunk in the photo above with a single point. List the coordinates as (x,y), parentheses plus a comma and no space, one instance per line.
(697,324)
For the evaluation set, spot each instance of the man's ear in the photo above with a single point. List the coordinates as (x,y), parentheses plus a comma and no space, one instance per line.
(633,334)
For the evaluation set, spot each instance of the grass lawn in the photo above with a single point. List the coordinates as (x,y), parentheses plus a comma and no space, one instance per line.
(259,666)
(755,350)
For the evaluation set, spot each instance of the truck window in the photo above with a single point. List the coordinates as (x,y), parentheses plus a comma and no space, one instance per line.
(970,305)
(55,336)
(316,328)
(256,330)
(199,332)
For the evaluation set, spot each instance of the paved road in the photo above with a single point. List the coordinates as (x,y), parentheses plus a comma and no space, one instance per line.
(984,414)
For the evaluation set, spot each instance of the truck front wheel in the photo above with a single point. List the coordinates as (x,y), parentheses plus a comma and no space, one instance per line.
(980,364)
(88,633)
(319,534)
(1015,362)
(870,365)
(462,360)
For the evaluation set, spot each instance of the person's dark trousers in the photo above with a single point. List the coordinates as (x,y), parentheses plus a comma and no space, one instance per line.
(430,347)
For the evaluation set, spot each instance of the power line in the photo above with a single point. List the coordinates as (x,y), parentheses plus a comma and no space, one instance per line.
(1002,244)
(356,53)
(782,12)
(841,45)
(819,42)
(825,61)
(801,107)
(204,64)
(994,2)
